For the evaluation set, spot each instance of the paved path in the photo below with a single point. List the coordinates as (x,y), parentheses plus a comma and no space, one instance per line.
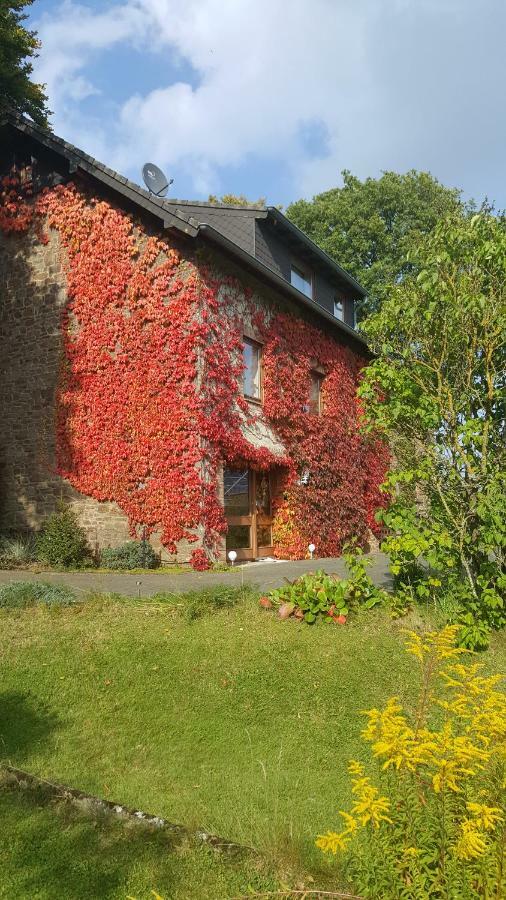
(266,575)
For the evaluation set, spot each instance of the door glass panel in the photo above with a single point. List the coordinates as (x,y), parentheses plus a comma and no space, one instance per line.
(238,537)
(263,494)
(236,492)
(264,535)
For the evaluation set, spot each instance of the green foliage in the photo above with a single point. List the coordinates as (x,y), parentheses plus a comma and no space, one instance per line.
(369,226)
(62,542)
(131,555)
(20,594)
(18,47)
(195,604)
(437,391)
(327,597)
(16,551)
(237,200)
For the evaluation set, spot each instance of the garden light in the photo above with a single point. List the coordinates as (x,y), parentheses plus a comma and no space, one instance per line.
(311,549)
(232,556)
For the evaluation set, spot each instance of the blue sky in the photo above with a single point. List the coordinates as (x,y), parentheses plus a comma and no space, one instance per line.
(275,97)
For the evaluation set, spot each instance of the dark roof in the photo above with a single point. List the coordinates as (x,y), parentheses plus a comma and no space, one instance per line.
(223,224)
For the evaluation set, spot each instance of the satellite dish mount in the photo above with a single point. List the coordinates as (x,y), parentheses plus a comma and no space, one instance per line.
(155,180)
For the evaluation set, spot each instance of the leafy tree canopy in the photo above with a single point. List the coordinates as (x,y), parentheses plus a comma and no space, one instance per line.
(236,200)
(18,47)
(369,226)
(437,390)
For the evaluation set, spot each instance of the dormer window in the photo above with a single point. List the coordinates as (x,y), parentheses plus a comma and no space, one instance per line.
(339,308)
(302,280)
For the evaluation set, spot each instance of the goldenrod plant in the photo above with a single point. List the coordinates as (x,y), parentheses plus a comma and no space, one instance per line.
(433,821)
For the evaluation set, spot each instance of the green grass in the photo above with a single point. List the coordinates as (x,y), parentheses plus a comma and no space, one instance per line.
(49,852)
(235,722)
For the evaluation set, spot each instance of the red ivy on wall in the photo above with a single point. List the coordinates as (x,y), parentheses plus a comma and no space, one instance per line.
(149,403)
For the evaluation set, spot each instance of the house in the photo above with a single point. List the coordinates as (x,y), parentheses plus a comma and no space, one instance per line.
(179,370)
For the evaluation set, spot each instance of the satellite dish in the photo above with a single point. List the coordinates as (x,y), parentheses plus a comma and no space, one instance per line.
(155,180)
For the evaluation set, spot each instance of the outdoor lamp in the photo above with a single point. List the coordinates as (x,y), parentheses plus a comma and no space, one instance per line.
(311,549)
(232,555)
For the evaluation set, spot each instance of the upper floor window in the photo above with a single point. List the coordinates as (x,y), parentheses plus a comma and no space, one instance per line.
(339,308)
(252,377)
(302,281)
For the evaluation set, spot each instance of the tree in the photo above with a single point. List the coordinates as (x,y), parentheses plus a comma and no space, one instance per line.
(369,226)
(237,200)
(17,47)
(437,390)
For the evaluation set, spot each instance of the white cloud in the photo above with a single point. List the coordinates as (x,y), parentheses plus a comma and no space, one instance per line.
(396,84)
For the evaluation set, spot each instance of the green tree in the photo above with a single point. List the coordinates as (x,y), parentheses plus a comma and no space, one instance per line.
(369,226)
(437,390)
(237,200)
(18,47)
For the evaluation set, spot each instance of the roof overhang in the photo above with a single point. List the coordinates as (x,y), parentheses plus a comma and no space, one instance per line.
(81,162)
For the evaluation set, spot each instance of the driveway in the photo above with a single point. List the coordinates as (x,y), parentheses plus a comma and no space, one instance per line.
(265,575)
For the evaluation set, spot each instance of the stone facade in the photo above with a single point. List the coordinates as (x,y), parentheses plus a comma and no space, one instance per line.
(33,294)
(33,297)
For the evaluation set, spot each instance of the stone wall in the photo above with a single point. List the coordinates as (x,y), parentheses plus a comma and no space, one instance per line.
(32,295)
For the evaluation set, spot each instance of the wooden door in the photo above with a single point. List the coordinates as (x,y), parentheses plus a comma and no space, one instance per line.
(248,510)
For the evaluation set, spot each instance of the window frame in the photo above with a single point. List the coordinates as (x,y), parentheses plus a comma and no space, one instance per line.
(306,274)
(340,301)
(316,376)
(259,347)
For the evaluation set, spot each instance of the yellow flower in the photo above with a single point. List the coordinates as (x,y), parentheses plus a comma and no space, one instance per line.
(471,843)
(438,644)
(355,768)
(332,841)
(485,817)
(351,822)
(369,806)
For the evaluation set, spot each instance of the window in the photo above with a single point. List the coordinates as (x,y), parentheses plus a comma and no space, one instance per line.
(252,358)
(315,394)
(339,308)
(302,281)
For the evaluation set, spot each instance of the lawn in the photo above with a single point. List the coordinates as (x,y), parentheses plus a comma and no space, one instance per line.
(235,722)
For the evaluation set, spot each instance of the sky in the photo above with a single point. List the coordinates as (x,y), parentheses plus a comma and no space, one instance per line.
(274,98)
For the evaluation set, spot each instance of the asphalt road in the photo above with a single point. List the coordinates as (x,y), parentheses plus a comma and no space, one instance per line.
(265,575)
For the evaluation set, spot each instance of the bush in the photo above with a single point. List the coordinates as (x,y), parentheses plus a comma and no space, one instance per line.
(62,542)
(329,597)
(17,551)
(20,594)
(199,560)
(432,821)
(132,555)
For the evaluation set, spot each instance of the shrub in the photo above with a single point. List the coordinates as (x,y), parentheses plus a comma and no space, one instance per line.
(199,560)
(132,555)
(62,542)
(329,597)
(20,594)
(17,551)
(432,822)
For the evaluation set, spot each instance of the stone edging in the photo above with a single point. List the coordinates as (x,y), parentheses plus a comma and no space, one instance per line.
(94,806)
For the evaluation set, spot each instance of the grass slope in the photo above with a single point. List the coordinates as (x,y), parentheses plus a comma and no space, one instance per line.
(53,852)
(236,722)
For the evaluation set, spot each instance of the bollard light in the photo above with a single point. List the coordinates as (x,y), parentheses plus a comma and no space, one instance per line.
(311,549)
(232,555)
